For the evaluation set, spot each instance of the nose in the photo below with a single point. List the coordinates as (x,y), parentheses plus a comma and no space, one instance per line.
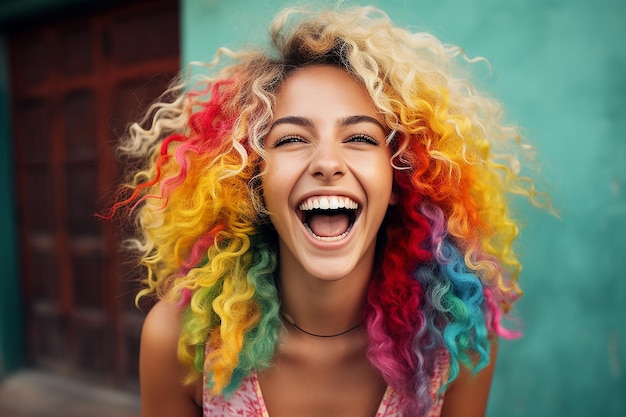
(327,162)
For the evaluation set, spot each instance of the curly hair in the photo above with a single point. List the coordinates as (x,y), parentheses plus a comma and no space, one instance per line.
(447,270)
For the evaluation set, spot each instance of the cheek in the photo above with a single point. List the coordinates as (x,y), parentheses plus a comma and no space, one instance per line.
(380,178)
(274,183)
(269,191)
(283,170)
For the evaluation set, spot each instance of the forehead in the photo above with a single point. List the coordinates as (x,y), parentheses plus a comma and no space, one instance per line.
(323,91)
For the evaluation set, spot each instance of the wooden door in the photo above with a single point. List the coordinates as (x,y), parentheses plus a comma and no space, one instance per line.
(76,83)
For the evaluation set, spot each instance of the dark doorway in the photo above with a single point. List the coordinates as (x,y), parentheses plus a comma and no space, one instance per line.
(76,82)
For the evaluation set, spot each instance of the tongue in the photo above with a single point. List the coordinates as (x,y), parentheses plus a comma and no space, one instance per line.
(328,226)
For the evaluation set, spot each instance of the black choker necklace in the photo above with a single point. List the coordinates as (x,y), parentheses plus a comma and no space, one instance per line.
(293,323)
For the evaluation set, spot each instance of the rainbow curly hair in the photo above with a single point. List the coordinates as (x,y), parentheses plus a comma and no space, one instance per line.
(447,270)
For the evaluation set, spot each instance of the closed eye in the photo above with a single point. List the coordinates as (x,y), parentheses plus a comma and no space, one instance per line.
(361,138)
(287,140)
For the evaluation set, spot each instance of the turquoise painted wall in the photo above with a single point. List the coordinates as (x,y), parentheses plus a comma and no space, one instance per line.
(560,67)
(11,344)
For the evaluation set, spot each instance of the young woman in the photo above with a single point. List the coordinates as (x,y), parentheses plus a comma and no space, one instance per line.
(326,229)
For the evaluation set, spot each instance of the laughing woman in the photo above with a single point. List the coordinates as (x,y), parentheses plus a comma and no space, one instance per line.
(325,227)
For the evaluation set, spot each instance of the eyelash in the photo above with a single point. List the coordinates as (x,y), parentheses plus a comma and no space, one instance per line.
(363,138)
(287,139)
(355,138)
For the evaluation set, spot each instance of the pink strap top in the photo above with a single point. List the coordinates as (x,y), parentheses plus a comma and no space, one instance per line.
(248,399)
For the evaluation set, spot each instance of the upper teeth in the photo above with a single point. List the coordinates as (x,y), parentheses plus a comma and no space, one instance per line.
(328,203)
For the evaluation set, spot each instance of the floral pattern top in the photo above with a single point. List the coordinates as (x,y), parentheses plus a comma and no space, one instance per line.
(248,400)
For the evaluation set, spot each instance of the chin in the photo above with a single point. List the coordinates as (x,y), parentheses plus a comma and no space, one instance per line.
(334,269)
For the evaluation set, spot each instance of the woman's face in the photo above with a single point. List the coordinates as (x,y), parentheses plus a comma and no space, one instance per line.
(328,182)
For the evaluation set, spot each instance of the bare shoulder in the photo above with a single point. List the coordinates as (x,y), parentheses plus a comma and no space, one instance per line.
(468,395)
(162,325)
(163,392)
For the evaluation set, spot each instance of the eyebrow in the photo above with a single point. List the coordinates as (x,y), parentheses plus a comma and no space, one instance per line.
(292,120)
(353,120)
(344,121)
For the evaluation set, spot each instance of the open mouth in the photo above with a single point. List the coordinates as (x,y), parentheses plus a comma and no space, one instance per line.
(328,218)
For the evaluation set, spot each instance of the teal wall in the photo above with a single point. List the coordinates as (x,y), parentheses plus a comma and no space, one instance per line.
(560,67)
(11,344)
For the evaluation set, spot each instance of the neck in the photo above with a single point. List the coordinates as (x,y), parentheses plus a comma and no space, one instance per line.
(320,307)
(322,336)
(324,298)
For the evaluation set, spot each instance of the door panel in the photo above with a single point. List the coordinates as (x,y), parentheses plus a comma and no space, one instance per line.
(76,84)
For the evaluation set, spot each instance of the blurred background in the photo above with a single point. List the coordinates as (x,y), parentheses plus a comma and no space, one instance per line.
(73,73)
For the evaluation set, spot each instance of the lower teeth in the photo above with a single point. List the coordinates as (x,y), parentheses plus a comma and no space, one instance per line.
(329,238)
